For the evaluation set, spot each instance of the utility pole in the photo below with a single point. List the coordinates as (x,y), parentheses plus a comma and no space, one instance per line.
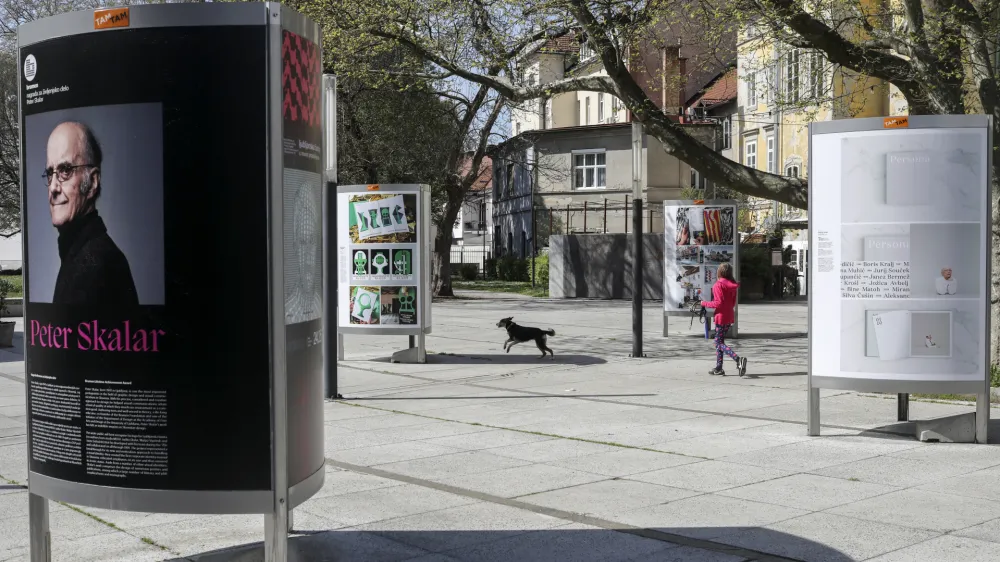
(637,261)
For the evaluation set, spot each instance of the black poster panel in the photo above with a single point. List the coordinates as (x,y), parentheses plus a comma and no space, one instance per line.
(303,238)
(145,226)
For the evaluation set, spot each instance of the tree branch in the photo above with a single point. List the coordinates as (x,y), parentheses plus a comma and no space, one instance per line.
(839,50)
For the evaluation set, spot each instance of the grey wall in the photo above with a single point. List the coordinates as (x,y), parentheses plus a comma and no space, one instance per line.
(599,266)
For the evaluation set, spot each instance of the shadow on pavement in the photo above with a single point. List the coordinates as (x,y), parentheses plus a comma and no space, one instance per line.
(770,375)
(512,358)
(491,397)
(578,545)
(771,336)
(907,431)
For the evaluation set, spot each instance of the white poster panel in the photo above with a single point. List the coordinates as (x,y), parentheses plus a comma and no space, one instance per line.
(380,260)
(698,237)
(898,230)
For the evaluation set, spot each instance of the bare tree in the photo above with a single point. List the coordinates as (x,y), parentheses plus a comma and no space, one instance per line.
(938,55)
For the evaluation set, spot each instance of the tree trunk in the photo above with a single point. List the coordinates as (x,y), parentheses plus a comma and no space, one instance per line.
(441,260)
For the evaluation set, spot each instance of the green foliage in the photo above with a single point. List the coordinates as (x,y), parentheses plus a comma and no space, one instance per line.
(755,262)
(510,268)
(468,271)
(6,288)
(542,270)
(995,375)
(491,269)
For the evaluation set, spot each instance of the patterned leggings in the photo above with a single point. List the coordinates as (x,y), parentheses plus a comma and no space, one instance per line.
(720,345)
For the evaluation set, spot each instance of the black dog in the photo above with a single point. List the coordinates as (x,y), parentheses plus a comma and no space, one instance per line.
(520,334)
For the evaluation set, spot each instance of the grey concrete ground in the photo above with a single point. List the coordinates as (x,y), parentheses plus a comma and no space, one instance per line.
(486,456)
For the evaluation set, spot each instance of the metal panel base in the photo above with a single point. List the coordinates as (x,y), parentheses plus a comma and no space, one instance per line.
(151,501)
(416,354)
(299,493)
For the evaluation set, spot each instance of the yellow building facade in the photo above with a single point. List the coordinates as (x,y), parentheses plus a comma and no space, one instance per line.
(781,89)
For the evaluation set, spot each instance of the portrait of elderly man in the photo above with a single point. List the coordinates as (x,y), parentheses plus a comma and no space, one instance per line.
(304,295)
(93,270)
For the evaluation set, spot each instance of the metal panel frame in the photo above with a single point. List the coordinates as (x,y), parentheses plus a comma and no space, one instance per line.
(144,16)
(736,258)
(150,501)
(132,499)
(980,388)
(423,193)
(276,517)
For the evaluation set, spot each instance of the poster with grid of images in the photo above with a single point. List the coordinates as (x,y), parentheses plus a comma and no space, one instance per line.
(381,265)
(698,237)
(901,228)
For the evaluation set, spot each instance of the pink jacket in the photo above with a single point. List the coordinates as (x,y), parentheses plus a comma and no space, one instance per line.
(723,301)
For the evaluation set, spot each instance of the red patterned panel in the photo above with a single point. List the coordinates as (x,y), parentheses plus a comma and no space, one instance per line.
(300,80)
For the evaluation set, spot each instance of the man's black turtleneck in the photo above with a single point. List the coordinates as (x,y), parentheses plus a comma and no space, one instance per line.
(93,271)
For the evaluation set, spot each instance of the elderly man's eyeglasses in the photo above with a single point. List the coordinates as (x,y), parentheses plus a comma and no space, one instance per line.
(63,172)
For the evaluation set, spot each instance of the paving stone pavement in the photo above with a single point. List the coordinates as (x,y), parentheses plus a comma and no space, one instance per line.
(481,455)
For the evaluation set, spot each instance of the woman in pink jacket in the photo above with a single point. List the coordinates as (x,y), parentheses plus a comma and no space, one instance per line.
(724,302)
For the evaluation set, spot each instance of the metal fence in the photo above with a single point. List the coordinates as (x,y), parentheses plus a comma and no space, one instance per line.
(470,255)
(598,218)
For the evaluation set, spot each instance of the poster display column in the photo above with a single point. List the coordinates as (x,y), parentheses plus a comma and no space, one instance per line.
(172,268)
(383,248)
(698,236)
(899,227)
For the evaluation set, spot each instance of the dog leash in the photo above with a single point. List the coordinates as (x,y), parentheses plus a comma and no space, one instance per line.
(697,311)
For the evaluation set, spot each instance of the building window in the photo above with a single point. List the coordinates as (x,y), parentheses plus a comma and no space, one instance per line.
(792,76)
(517,129)
(482,217)
(615,107)
(697,180)
(750,150)
(816,75)
(600,108)
(585,51)
(792,171)
(590,170)
(579,119)
(763,85)
(587,111)
(509,178)
(770,154)
(752,90)
(727,133)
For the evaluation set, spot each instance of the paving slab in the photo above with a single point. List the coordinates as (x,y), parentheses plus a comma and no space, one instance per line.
(707,516)
(441,467)
(370,506)
(527,479)
(823,537)
(989,531)
(709,476)
(485,440)
(944,549)
(608,497)
(461,527)
(623,462)
(921,509)
(807,491)
(897,471)
(393,452)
